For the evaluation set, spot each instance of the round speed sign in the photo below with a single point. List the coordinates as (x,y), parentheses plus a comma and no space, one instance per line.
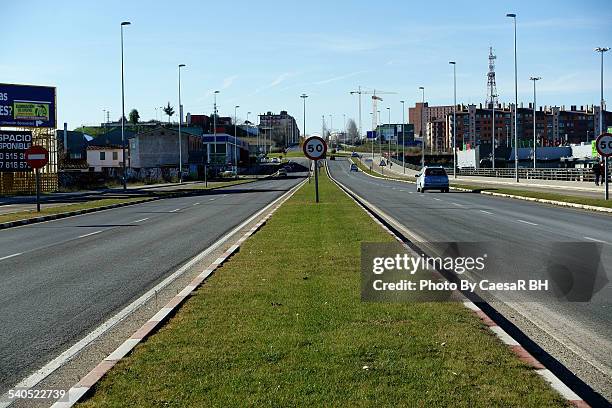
(315,148)
(603,144)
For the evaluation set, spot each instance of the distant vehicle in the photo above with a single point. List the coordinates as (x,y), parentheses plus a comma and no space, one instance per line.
(354,167)
(332,157)
(354,154)
(282,172)
(275,160)
(432,178)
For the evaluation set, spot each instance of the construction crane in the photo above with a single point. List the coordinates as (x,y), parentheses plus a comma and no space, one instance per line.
(375,99)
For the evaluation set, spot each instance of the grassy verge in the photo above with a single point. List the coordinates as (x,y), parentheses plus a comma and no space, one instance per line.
(102,202)
(282,324)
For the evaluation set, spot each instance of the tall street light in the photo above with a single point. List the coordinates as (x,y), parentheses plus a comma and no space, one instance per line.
(359,93)
(494,136)
(344,126)
(180,140)
(374,138)
(378,124)
(534,79)
(602,104)
(422,88)
(215,126)
(124,23)
(454,64)
(403,137)
(236,139)
(516,157)
(389,141)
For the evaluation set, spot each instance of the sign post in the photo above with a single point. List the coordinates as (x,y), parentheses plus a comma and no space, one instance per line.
(315,149)
(603,144)
(37,157)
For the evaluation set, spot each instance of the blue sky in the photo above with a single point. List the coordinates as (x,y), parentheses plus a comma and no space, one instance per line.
(263,55)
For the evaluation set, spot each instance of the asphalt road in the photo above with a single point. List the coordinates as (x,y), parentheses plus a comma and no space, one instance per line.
(61,279)
(529,232)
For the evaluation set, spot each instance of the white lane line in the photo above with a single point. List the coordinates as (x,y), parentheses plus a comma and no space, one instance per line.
(144,219)
(589,238)
(527,222)
(196,203)
(458,205)
(411,192)
(437,199)
(175,210)
(486,212)
(212,199)
(10,256)
(90,234)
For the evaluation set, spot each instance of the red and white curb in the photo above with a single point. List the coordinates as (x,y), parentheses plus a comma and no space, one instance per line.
(501,334)
(77,391)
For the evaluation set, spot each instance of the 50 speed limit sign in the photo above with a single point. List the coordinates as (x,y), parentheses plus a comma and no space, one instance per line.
(315,148)
(603,144)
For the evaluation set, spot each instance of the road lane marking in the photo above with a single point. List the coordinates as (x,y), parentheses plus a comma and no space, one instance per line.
(437,199)
(90,234)
(527,222)
(196,204)
(175,210)
(486,212)
(144,219)
(212,199)
(10,256)
(458,205)
(589,238)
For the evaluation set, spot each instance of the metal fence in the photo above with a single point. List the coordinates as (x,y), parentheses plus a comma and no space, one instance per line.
(574,174)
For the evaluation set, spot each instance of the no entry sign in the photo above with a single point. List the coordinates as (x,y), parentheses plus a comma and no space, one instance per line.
(603,144)
(37,157)
(315,148)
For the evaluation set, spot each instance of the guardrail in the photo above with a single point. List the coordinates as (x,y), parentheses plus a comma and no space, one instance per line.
(574,174)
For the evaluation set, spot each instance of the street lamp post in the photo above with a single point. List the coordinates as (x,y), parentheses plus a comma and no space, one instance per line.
(124,23)
(344,126)
(602,105)
(359,93)
(422,88)
(236,139)
(493,136)
(534,79)
(214,158)
(180,140)
(516,156)
(378,124)
(374,138)
(389,141)
(454,64)
(403,137)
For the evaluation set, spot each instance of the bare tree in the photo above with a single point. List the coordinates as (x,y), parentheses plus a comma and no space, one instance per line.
(353,132)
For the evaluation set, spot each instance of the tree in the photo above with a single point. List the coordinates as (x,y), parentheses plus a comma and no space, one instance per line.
(134,116)
(169,110)
(353,132)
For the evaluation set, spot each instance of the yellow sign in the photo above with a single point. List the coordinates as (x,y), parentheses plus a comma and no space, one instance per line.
(31,110)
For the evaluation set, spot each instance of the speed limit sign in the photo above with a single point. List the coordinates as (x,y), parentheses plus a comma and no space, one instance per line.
(315,148)
(603,144)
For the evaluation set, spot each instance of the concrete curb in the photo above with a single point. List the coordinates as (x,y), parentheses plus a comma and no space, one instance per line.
(81,388)
(520,352)
(50,217)
(517,197)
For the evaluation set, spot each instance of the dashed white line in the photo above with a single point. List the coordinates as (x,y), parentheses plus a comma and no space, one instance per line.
(196,203)
(142,220)
(175,210)
(589,238)
(212,199)
(527,222)
(90,234)
(457,204)
(10,256)
(437,199)
(486,212)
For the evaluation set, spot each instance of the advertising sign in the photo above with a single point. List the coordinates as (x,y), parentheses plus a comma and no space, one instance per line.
(27,106)
(13,146)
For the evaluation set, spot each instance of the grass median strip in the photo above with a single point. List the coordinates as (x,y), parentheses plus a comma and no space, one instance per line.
(282,324)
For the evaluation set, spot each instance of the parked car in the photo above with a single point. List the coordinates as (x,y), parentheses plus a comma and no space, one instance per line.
(282,172)
(354,154)
(354,167)
(432,178)
(275,160)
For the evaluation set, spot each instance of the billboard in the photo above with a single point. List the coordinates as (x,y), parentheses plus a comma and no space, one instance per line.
(13,145)
(27,106)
